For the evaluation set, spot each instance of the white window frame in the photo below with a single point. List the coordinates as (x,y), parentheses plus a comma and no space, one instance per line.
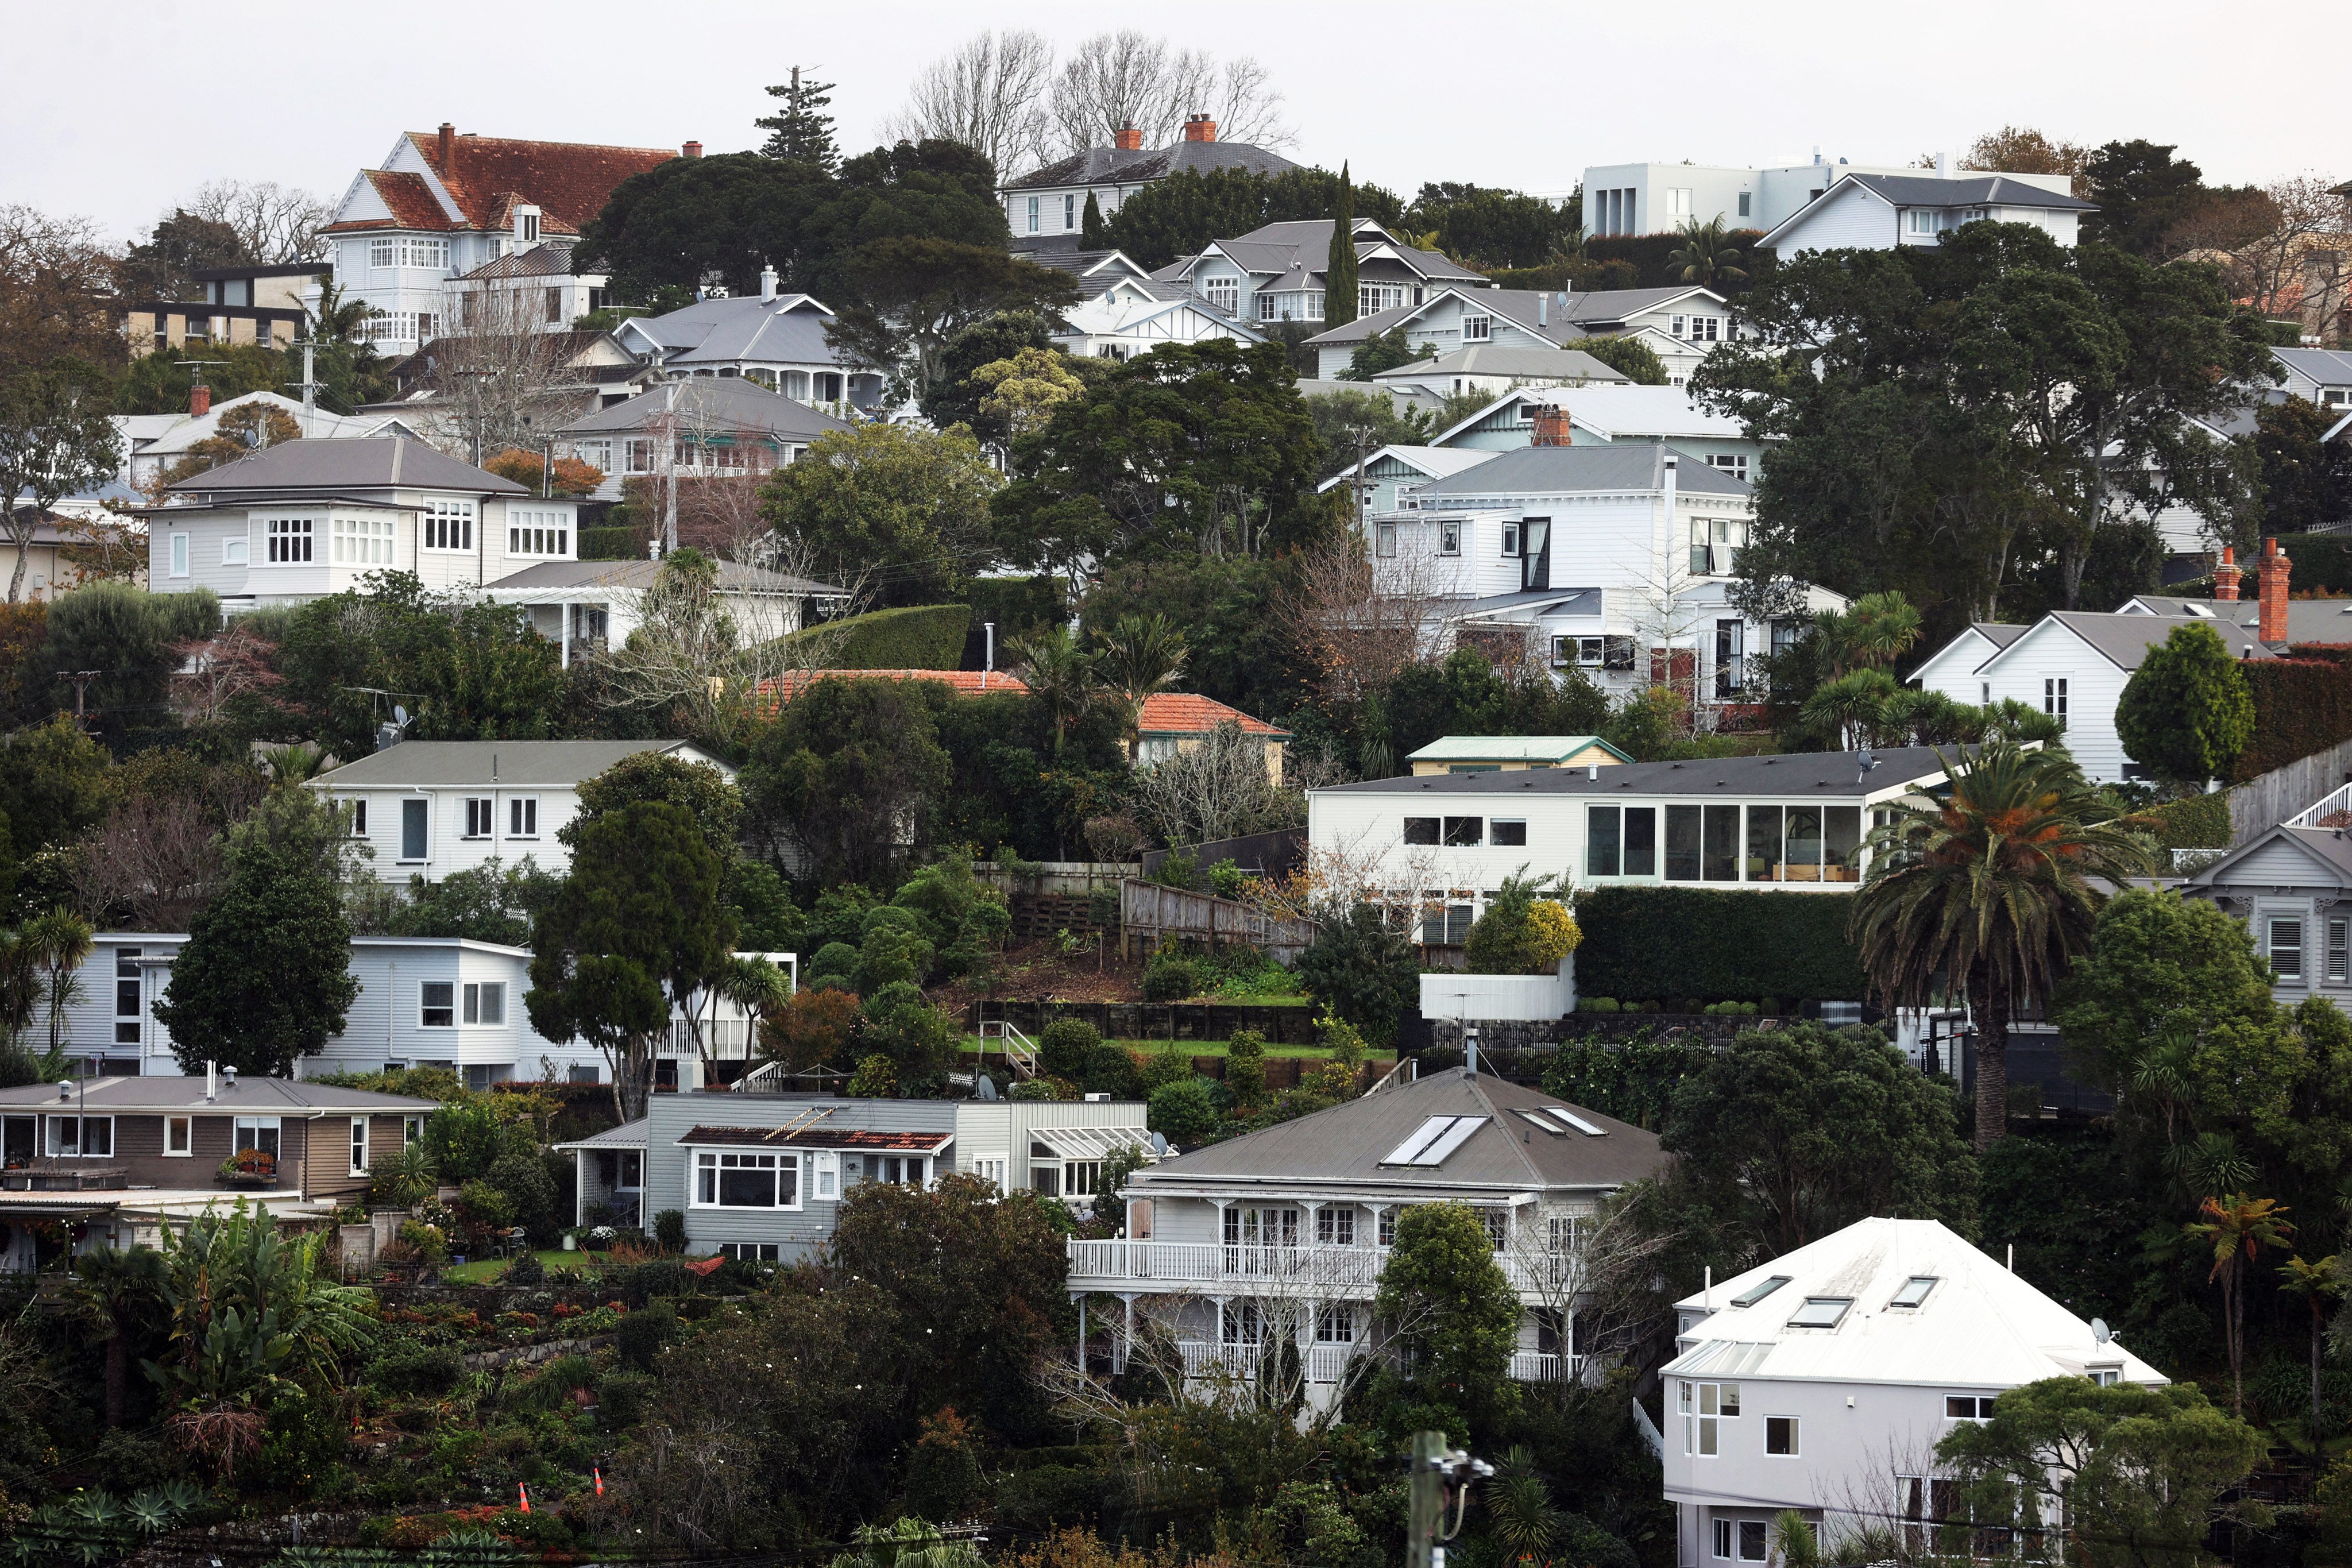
(522,816)
(437,997)
(180,553)
(358,803)
(826,1175)
(424,805)
(1704,1407)
(1478,328)
(2053,695)
(712,1163)
(1036,206)
(1795,1435)
(274,1126)
(290,540)
(1726,1541)
(1335,1226)
(1221,293)
(82,1126)
(541,535)
(1732,463)
(445,527)
(2340,950)
(182,1128)
(237,550)
(2286,957)
(359,1145)
(363,540)
(1069,210)
(483,999)
(481,817)
(1449,536)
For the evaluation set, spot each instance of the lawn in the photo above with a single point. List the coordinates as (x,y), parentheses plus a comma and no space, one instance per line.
(487,1270)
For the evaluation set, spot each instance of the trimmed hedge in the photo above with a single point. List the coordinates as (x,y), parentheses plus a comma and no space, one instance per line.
(924,637)
(1018,606)
(2301,705)
(611,544)
(1703,945)
(2193,822)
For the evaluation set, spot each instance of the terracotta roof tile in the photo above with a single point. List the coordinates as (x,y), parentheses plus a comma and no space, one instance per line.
(568,182)
(410,199)
(1186,714)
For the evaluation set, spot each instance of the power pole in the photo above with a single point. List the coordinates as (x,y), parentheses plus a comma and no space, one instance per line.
(1433,1469)
(80,679)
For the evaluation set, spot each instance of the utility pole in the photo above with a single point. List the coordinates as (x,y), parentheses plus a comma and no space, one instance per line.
(1433,1469)
(308,344)
(80,679)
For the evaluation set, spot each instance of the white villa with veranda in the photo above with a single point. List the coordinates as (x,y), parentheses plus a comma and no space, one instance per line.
(1281,1234)
(1681,325)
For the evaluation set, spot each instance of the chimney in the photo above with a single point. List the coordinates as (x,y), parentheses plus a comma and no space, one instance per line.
(1551,426)
(2269,587)
(1127,138)
(767,282)
(200,401)
(691,150)
(2227,575)
(1199,128)
(1943,165)
(448,146)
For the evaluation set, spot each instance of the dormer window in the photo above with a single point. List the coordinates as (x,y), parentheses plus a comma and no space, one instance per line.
(525,231)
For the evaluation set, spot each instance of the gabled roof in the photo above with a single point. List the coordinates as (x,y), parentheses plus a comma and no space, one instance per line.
(568,182)
(1505,359)
(2329,367)
(1435,462)
(1978,1325)
(1189,713)
(638,574)
(1569,470)
(520,764)
(1621,409)
(2307,620)
(1349,1145)
(715,405)
(251,1092)
(1510,748)
(2328,852)
(1825,776)
(1899,191)
(1290,257)
(163,435)
(1550,313)
(786,330)
(407,197)
(1128,166)
(368,463)
(2124,640)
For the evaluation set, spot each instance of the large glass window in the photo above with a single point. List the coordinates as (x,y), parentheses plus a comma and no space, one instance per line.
(731,1181)
(1801,848)
(412,830)
(1462,832)
(1641,841)
(1764,844)
(1604,851)
(1721,850)
(1682,843)
(258,1134)
(129,1007)
(1842,844)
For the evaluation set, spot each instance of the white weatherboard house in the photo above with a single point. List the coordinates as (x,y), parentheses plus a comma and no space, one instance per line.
(152,443)
(2292,885)
(305,519)
(1822,1381)
(1049,205)
(1442,844)
(1611,413)
(1391,469)
(1281,1234)
(1661,198)
(2317,375)
(1681,325)
(1882,212)
(1274,273)
(431,807)
(1613,559)
(775,340)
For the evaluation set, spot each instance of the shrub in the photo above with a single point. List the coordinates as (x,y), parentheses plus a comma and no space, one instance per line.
(411,1368)
(427,1240)
(1110,1069)
(623,1397)
(642,1334)
(669,1230)
(920,637)
(1652,944)
(1521,933)
(2186,713)
(876,1078)
(1162,1066)
(526,1269)
(1066,1047)
(2193,822)
(1185,1112)
(2301,705)
(1245,1068)
(1596,1004)
(814,1028)
(1171,977)
(1226,879)
(1178,869)
(1345,1042)
(837,958)
(1040,1089)
(466,1138)
(529,1191)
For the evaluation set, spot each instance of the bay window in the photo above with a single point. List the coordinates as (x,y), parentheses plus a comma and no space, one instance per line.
(726,1179)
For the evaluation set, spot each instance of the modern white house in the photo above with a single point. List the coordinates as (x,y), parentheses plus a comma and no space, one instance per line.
(776,340)
(152,443)
(1881,212)
(1822,1381)
(761,1175)
(1610,413)
(430,807)
(1280,1236)
(1131,316)
(1436,848)
(417,236)
(305,519)
(1614,559)
(1681,325)
(736,428)
(1659,198)
(1274,273)
(1050,203)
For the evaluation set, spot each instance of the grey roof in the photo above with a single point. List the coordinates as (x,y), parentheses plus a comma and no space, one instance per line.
(720,404)
(786,330)
(2307,620)
(2327,845)
(1553,601)
(264,1096)
(368,463)
(515,763)
(1564,317)
(627,1135)
(1347,1144)
(1293,254)
(1126,167)
(1563,471)
(2125,639)
(2000,634)
(2329,367)
(1820,774)
(1503,359)
(734,577)
(1969,191)
(1518,747)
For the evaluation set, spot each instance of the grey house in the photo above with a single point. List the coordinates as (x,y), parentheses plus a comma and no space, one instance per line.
(2293,887)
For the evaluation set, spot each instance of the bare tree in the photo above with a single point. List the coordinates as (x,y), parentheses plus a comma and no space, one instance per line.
(1597,1271)
(1219,789)
(498,376)
(2297,264)
(988,93)
(1357,620)
(275,224)
(1127,77)
(158,857)
(217,670)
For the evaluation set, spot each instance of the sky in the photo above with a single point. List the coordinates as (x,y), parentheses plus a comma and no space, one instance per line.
(142,102)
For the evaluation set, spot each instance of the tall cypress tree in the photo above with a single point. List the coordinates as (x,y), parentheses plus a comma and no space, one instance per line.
(802,130)
(1090,227)
(1340,270)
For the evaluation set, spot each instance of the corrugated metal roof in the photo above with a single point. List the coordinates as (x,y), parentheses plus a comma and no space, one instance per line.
(171,1091)
(1826,775)
(516,764)
(1569,470)
(627,1135)
(818,1136)
(366,463)
(715,405)
(1510,748)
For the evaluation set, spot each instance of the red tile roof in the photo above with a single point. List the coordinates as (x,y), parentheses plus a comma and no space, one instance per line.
(1164,712)
(1185,714)
(410,201)
(568,182)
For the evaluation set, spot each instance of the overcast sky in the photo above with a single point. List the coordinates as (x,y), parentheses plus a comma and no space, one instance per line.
(134,105)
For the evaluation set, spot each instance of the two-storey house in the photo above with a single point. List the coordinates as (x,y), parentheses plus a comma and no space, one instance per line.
(2317,375)
(153,444)
(262,306)
(1610,413)
(1280,1236)
(776,340)
(1822,1381)
(414,237)
(2292,885)
(1681,325)
(1385,474)
(1274,273)
(706,428)
(1661,198)
(299,520)
(1048,205)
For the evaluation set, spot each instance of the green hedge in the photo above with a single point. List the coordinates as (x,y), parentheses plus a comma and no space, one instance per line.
(2194,822)
(2301,705)
(2321,561)
(924,637)
(1699,944)
(1018,606)
(611,544)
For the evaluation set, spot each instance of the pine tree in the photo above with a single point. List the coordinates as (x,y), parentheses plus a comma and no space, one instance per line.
(802,132)
(1340,270)
(1090,227)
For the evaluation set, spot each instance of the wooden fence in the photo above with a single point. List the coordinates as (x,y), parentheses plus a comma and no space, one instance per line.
(1150,916)
(2265,800)
(1153,1020)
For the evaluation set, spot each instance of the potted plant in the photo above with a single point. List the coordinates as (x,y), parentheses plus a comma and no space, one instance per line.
(249,1168)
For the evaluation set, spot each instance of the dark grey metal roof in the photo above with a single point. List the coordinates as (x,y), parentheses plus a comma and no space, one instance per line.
(262,1096)
(2125,639)
(1126,167)
(514,763)
(627,1135)
(539,261)
(368,463)
(1818,774)
(1505,359)
(1555,601)
(1347,1144)
(786,330)
(733,577)
(1976,191)
(2000,634)
(1566,471)
(721,403)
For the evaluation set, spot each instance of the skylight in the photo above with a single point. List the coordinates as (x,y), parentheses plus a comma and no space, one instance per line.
(1434,1140)
(1820,1312)
(1914,1291)
(1573,1119)
(1542,1125)
(1758,1291)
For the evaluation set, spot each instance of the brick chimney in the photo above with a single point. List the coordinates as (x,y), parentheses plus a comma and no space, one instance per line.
(1127,138)
(200,401)
(2229,574)
(1199,128)
(448,145)
(2270,586)
(691,150)
(1551,426)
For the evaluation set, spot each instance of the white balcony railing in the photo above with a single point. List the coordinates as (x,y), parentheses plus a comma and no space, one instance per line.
(1329,1363)
(1302,1270)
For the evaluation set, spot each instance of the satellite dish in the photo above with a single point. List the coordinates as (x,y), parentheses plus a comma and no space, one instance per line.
(983,1087)
(1160,1145)
(2100,1331)
(400,715)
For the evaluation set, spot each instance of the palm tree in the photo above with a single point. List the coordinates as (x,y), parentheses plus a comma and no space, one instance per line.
(1874,631)
(1524,1522)
(2238,1227)
(116,1294)
(2318,1284)
(1706,255)
(1988,893)
(1058,673)
(755,986)
(1853,705)
(61,942)
(1140,655)
(297,763)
